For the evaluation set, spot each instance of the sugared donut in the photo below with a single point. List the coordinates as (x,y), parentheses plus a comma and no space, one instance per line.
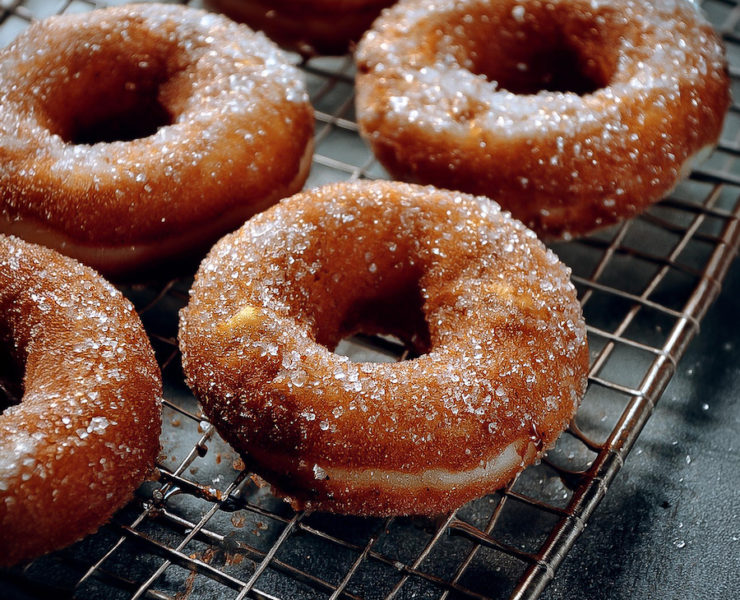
(572,114)
(86,430)
(307,26)
(502,347)
(135,135)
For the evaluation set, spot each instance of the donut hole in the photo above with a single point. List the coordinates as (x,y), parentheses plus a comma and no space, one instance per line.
(11,378)
(544,50)
(395,318)
(389,305)
(124,100)
(552,69)
(136,118)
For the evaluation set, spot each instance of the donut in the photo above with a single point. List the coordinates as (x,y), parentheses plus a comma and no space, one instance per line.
(136,136)
(572,114)
(80,421)
(307,26)
(490,312)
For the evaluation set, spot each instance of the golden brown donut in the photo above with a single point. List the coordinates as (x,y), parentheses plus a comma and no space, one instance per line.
(307,26)
(86,430)
(133,135)
(492,313)
(572,114)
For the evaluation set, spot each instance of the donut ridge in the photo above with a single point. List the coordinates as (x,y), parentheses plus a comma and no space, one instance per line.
(86,430)
(492,314)
(133,136)
(572,114)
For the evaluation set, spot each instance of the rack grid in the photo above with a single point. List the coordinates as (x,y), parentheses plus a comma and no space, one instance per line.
(207,529)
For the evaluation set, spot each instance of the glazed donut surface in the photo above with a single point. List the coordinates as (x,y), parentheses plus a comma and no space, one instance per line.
(502,347)
(307,26)
(132,136)
(86,430)
(572,114)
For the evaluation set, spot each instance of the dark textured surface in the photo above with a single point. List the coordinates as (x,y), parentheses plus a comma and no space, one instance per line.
(670,525)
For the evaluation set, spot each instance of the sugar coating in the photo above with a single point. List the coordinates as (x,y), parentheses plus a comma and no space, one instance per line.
(240,135)
(86,432)
(493,313)
(456,94)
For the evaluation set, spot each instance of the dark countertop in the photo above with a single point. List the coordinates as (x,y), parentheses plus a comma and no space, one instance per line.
(669,526)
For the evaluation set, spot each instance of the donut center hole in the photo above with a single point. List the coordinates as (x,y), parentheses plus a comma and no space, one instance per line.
(11,379)
(132,119)
(556,69)
(386,328)
(529,53)
(379,348)
(126,99)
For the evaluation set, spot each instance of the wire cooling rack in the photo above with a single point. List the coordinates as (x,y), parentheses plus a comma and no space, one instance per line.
(206,529)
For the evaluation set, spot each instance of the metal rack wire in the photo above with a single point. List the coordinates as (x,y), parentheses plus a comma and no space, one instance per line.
(205,529)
